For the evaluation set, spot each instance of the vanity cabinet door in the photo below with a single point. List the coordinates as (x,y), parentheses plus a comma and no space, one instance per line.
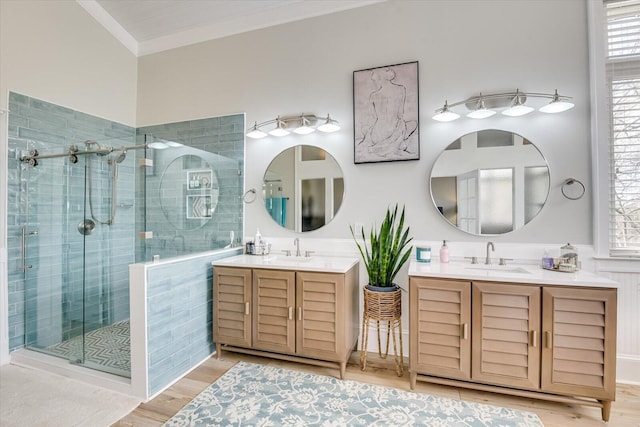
(320,312)
(440,315)
(232,306)
(579,342)
(273,310)
(505,334)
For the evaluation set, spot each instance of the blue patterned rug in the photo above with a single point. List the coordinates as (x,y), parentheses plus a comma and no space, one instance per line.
(257,395)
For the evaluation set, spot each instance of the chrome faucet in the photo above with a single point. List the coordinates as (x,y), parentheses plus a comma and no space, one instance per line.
(297,243)
(487,260)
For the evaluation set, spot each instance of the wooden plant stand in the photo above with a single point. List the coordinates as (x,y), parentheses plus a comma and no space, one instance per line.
(383,307)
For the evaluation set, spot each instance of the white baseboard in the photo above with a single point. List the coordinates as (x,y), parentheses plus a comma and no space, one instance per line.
(628,369)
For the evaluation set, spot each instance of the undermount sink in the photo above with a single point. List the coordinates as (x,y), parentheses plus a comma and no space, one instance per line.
(500,269)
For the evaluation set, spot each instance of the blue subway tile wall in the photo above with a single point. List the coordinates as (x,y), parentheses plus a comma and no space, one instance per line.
(179,317)
(58,297)
(213,144)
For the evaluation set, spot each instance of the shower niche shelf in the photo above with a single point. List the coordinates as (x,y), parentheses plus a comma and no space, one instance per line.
(199,179)
(199,206)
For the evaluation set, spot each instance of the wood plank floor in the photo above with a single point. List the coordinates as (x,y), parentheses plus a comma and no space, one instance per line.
(625,411)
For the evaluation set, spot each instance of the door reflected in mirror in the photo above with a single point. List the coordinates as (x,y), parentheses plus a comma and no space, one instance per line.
(490,182)
(303,188)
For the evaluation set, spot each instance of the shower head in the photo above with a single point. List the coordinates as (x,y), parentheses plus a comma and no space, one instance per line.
(120,157)
(101,150)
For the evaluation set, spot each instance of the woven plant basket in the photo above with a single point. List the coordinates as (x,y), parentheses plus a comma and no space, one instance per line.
(383,307)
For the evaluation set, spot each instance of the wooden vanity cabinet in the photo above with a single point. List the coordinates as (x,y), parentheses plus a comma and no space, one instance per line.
(542,341)
(301,316)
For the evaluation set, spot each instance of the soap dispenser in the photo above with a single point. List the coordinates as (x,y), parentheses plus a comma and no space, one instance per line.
(258,237)
(444,252)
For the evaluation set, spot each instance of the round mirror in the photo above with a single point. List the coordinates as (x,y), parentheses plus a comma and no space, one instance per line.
(490,182)
(188,192)
(303,188)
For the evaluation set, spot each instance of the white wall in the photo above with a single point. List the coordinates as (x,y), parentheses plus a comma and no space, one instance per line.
(463,47)
(55,51)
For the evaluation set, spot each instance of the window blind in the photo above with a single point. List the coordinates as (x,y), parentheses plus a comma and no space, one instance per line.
(623,75)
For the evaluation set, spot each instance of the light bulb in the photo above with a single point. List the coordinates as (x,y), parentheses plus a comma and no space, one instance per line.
(158,145)
(304,127)
(256,133)
(445,115)
(481,113)
(280,128)
(556,105)
(329,126)
(517,110)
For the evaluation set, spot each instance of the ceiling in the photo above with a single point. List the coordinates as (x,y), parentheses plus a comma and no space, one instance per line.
(150,26)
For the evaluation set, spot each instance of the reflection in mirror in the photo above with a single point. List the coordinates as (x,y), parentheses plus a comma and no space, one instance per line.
(188,192)
(303,188)
(490,182)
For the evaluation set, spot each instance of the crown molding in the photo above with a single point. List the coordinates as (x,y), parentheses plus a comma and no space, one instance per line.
(99,14)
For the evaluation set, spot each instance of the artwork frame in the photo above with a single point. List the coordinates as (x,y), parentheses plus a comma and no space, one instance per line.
(386,112)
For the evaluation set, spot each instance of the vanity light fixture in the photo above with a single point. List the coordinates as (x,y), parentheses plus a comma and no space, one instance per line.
(517,108)
(481,112)
(304,128)
(255,133)
(302,124)
(329,125)
(557,105)
(513,104)
(280,129)
(445,115)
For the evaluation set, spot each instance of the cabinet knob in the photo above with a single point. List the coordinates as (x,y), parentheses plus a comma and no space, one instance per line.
(299,313)
(290,313)
(246,308)
(534,338)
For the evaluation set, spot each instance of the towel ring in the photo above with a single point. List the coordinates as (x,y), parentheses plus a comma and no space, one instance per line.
(568,183)
(250,199)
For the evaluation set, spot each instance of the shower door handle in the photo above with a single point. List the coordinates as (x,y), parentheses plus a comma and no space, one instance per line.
(24,247)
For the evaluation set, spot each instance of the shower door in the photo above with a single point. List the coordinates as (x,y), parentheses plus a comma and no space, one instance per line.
(76,260)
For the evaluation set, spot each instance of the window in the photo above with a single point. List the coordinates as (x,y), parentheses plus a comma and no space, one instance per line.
(623,85)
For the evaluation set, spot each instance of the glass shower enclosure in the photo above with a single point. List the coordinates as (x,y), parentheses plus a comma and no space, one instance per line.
(77,242)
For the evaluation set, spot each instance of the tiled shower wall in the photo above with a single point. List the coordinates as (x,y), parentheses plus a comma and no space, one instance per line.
(50,199)
(219,142)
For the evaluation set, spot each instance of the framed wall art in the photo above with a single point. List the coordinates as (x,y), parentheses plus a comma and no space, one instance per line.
(385,114)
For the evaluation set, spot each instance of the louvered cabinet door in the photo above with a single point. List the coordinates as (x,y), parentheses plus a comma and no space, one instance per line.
(579,342)
(505,334)
(320,312)
(440,320)
(232,306)
(273,310)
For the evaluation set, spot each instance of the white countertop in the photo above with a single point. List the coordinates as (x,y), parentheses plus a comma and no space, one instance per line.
(324,264)
(513,273)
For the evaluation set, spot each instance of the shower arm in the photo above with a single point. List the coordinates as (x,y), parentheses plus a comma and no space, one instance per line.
(73,152)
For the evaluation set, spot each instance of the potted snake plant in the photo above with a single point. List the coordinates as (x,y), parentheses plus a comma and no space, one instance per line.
(388,251)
